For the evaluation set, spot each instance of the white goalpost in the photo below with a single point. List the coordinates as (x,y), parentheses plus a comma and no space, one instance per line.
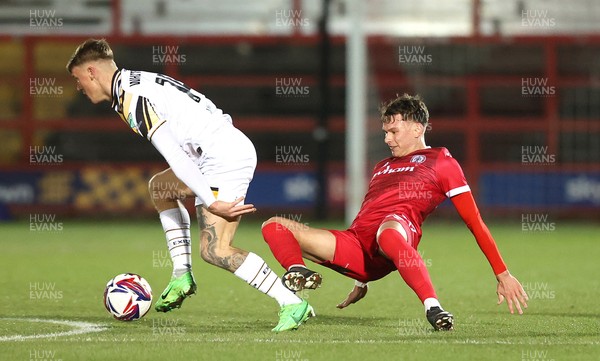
(356,109)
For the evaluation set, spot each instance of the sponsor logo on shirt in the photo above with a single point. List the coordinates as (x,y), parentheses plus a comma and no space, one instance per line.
(132,123)
(388,170)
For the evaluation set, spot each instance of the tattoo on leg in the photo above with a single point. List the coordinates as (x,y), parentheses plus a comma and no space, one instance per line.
(233,262)
(201,217)
(209,243)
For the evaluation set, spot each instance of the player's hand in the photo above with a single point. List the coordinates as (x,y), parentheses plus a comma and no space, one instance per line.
(510,288)
(230,210)
(354,296)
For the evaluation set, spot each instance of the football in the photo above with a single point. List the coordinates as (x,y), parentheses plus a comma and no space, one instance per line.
(127,297)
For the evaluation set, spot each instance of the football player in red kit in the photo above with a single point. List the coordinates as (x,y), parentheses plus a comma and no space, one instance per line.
(404,189)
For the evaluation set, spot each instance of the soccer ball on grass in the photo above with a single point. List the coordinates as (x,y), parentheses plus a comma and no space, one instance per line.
(128,297)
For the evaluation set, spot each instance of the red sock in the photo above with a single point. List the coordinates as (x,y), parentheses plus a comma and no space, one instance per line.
(283,244)
(408,262)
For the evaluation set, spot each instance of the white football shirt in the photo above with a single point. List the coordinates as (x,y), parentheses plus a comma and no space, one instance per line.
(179,121)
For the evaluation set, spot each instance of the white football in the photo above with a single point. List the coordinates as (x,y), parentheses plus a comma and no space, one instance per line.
(128,297)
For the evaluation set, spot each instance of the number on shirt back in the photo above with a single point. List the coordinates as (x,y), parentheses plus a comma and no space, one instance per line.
(161,79)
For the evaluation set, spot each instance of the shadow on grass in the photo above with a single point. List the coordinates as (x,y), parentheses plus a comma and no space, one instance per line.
(353,321)
(543,313)
(233,326)
(564,314)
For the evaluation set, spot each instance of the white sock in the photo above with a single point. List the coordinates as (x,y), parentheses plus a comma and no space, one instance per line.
(431,302)
(258,275)
(176,224)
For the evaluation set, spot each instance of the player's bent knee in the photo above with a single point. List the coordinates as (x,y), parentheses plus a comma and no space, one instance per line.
(292,226)
(390,225)
(152,183)
(269,221)
(156,184)
(288,223)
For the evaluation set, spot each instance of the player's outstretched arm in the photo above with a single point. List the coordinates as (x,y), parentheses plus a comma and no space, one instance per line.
(181,164)
(186,170)
(358,292)
(509,288)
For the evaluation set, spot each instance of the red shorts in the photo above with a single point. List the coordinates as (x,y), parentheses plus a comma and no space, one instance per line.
(362,262)
(352,260)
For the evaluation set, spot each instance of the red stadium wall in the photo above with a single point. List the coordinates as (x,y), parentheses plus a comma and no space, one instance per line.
(474,121)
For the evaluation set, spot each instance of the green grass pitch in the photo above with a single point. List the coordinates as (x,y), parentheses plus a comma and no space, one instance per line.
(60,274)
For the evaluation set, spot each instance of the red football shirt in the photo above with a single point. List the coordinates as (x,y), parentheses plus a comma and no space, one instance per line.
(413,185)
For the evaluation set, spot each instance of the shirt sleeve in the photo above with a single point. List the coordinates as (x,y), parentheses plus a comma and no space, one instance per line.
(184,168)
(450,175)
(468,211)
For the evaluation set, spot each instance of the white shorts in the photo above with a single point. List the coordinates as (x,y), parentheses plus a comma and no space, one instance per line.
(229,165)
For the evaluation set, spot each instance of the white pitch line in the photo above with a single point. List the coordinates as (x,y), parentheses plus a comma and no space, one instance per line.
(78,328)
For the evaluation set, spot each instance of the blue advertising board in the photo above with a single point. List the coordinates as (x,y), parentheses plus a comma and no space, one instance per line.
(125,188)
(547,189)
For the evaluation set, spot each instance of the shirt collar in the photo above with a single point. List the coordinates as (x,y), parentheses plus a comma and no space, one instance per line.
(116,88)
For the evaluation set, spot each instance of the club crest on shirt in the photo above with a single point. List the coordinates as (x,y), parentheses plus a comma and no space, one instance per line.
(419,158)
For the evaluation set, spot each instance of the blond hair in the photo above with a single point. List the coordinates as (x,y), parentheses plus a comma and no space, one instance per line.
(89,50)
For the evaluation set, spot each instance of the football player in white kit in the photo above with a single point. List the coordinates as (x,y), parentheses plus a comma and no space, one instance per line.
(208,157)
